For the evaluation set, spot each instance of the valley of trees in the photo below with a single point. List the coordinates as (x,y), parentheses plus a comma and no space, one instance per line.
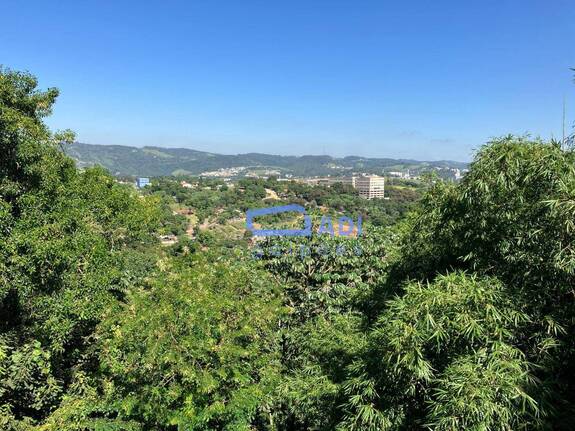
(459,313)
(212,201)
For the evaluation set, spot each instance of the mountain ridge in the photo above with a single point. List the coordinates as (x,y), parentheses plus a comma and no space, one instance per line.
(152,161)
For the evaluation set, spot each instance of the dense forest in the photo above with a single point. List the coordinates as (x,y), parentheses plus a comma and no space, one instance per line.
(458,314)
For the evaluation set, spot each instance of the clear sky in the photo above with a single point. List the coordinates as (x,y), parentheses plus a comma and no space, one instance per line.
(418,79)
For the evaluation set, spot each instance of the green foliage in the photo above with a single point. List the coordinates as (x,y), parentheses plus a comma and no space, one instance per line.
(459,317)
(71,243)
(328,275)
(484,391)
(326,284)
(428,335)
(196,350)
(489,350)
(211,200)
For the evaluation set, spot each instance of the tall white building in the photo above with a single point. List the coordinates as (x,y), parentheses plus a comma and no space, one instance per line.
(367,186)
(370,186)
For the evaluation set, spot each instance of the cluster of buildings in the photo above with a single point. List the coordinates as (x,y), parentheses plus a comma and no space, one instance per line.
(398,174)
(224,172)
(454,174)
(367,186)
(266,173)
(246,171)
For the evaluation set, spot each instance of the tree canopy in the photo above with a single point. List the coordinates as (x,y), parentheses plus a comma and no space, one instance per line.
(458,316)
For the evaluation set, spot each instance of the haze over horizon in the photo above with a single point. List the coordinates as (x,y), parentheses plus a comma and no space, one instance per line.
(271,153)
(380,80)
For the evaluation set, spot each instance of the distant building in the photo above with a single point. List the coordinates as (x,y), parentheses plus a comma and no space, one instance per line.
(142,182)
(398,174)
(343,180)
(370,186)
(367,186)
(328,181)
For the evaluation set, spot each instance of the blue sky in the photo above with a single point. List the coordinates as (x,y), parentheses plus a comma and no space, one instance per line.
(425,80)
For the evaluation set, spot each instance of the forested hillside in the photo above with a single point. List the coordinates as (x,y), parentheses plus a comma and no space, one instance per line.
(158,161)
(457,316)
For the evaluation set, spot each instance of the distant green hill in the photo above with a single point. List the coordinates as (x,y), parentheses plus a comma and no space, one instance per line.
(156,161)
